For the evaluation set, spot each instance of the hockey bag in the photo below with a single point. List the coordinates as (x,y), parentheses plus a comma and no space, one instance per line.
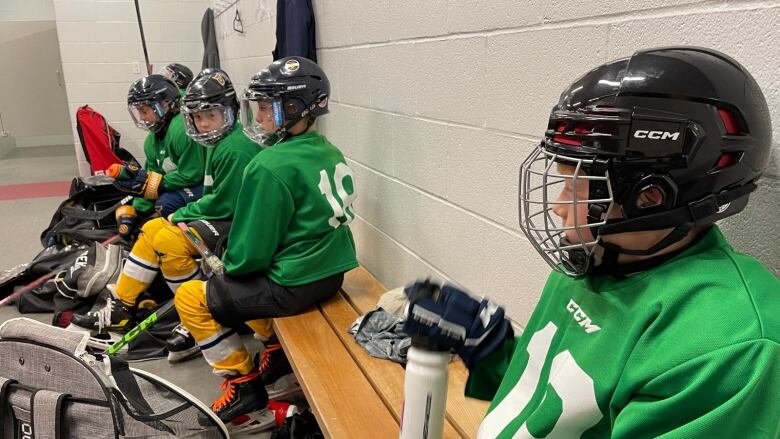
(99,141)
(92,270)
(88,213)
(38,299)
(52,387)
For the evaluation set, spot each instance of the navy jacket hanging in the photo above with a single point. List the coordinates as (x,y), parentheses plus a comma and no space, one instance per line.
(295,29)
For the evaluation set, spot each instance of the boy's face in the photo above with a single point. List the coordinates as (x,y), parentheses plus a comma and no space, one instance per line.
(265,116)
(568,212)
(147,114)
(572,214)
(209,120)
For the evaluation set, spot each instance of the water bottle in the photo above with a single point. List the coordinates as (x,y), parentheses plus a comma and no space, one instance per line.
(425,390)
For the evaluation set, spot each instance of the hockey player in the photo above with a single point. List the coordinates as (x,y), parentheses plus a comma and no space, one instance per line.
(178,73)
(289,244)
(209,110)
(173,172)
(651,325)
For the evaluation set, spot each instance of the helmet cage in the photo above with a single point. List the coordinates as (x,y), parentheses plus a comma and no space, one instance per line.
(134,109)
(212,137)
(540,183)
(288,109)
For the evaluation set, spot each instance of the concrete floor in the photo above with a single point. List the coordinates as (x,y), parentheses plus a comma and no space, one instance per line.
(21,222)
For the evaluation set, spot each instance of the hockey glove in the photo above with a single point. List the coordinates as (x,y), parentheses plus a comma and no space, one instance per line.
(127,222)
(450,318)
(141,182)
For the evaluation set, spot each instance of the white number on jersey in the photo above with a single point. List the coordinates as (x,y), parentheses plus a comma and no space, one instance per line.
(573,386)
(342,211)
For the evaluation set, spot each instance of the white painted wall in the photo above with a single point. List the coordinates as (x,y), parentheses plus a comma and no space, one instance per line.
(100,41)
(435,103)
(32,106)
(243,55)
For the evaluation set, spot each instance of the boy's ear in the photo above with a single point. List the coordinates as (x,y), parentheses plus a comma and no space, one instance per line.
(651,196)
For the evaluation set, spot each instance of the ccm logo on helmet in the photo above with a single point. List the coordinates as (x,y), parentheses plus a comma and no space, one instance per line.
(656,135)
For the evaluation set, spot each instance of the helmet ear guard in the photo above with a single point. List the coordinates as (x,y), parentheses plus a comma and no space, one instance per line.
(650,194)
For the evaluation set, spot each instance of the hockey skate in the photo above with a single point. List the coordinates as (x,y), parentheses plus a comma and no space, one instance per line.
(181,345)
(276,373)
(268,419)
(101,342)
(115,316)
(243,394)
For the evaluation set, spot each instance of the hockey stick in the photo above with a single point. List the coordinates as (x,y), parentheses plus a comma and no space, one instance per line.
(38,282)
(213,262)
(217,268)
(138,329)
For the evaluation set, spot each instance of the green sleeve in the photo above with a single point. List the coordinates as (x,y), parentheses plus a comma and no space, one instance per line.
(265,207)
(142,205)
(191,166)
(486,375)
(150,153)
(220,204)
(730,392)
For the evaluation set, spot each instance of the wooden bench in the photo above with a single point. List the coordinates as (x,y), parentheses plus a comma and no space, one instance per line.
(351,393)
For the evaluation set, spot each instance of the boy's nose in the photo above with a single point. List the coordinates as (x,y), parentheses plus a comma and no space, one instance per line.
(559,209)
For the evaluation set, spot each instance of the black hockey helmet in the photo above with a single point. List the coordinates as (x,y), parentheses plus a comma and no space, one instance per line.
(178,73)
(672,137)
(212,93)
(287,91)
(155,92)
(208,71)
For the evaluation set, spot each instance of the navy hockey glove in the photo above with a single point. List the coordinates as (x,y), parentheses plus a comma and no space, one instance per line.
(451,319)
(141,182)
(127,222)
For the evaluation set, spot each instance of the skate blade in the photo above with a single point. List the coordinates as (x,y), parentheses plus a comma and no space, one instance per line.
(178,357)
(252,422)
(284,387)
(98,341)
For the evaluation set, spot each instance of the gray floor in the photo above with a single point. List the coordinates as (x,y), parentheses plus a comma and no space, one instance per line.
(21,222)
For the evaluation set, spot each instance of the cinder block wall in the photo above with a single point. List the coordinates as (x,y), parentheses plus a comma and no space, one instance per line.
(244,54)
(435,103)
(100,40)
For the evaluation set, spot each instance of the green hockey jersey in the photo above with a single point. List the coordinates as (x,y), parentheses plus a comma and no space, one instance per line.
(293,213)
(688,349)
(180,159)
(225,164)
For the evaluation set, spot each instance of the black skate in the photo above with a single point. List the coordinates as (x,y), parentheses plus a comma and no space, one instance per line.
(181,345)
(244,394)
(115,316)
(275,371)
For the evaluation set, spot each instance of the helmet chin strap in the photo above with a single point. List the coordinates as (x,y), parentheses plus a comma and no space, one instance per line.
(285,130)
(606,260)
(160,133)
(681,220)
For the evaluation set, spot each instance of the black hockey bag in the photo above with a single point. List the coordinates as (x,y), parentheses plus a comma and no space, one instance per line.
(88,213)
(52,387)
(38,299)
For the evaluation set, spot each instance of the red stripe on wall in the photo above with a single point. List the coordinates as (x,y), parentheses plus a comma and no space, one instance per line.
(34,190)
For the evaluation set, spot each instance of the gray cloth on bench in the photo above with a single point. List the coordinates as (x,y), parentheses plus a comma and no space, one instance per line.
(380,333)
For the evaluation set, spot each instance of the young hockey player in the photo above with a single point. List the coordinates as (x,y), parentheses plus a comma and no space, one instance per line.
(289,244)
(178,73)
(209,111)
(651,325)
(173,172)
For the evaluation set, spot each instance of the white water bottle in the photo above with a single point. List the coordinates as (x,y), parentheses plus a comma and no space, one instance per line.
(425,391)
